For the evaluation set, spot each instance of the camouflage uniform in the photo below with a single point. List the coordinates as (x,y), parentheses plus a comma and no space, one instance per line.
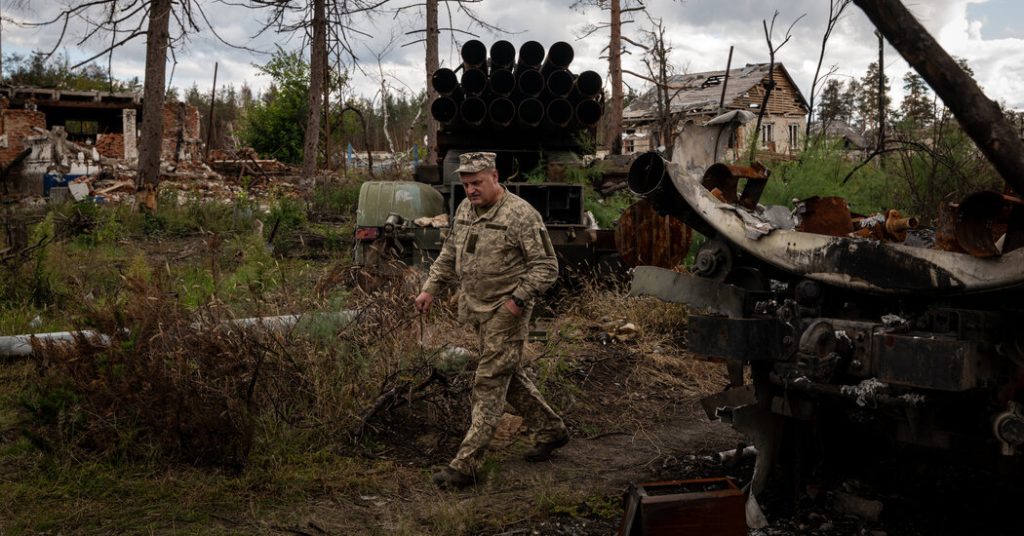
(502,253)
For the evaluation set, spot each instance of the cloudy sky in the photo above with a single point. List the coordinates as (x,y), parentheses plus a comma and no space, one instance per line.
(988,33)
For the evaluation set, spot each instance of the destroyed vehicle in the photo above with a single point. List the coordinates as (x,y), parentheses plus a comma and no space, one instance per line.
(841,328)
(536,115)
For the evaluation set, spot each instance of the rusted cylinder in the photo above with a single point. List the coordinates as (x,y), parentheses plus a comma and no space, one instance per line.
(560,83)
(649,177)
(444,109)
(474,81)
(473,111)
(560,56)
(896,226)
(503,55)
(502,112)
(444,81)
(530,112)
(530,82)
(474,55)
(588,112)
(560,112)
(589,84)
(502,82)
(531,54)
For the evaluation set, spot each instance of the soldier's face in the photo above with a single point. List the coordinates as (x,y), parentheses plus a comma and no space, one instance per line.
(482,187)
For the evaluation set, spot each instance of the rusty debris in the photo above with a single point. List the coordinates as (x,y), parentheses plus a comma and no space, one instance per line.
(644,237)
(825,215)
(726,178)
(705,507)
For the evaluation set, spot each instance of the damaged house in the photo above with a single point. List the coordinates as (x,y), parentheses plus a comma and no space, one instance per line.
(697,97)
(49,137)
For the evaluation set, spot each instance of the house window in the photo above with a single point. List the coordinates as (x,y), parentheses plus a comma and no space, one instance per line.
(767,134)
(794,135)
(82,127)
(630,146)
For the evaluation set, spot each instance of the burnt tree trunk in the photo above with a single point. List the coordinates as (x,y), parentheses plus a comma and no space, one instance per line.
(317,74)
(432,65)
(979,115)
(614,141)
(157,40)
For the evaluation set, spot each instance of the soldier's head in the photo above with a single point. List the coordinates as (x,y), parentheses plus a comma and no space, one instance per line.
(480,178)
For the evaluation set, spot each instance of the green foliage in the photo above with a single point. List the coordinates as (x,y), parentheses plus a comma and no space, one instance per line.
(275,125)
(339,199)
(820,171)
(37,70)
(607,210)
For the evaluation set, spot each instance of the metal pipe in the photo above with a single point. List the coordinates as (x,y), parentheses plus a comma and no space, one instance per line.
(589,83)
(444,109)
(502,112)
(473,111)
(560,56)
(559,112)
(502,82)
(474,81)
(531,54)
(444,81)
(503,55)
(560,83)
(531,112)
(21,345)
(588,112)
(530,82)
(474,55)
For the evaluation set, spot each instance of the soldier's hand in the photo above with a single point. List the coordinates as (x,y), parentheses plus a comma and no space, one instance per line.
(423,302)
(510,304)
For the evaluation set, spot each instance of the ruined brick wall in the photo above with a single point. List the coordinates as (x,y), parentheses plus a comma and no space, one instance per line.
(181,132)
(16,126)
(110,145)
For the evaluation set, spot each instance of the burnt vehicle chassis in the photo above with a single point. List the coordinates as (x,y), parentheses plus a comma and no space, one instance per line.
(920,345)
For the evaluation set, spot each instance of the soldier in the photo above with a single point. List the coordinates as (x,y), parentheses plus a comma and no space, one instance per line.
(499,252)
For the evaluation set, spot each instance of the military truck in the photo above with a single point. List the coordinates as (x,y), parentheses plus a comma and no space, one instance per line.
(537,116)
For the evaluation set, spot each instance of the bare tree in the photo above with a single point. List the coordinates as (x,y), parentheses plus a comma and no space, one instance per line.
(769,84)
(835,11)
(613,135)
(659,74)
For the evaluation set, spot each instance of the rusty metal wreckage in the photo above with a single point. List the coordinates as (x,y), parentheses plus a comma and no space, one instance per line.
(841,317)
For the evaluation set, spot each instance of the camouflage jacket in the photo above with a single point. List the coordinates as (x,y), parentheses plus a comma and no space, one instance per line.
(503,253)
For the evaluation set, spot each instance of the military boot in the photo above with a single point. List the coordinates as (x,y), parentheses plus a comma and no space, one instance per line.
(448,478)
(542,450)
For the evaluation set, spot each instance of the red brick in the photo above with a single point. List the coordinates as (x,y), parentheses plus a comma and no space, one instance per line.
(17,125)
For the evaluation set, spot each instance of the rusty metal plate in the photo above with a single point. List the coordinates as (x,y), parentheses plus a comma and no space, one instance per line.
(827,216)
(975,221)
(645,238)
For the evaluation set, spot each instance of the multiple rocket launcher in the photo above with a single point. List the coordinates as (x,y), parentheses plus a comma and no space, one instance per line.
(503,91)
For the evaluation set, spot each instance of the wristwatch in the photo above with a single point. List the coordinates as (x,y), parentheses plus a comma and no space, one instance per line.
(519,302)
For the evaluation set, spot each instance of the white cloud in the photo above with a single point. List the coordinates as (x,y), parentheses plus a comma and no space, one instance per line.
(701,32)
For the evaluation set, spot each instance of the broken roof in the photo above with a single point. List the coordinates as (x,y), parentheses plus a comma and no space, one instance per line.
(699,93)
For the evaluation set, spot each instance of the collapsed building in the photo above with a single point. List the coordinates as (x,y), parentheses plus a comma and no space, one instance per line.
(50,137)
(700,97)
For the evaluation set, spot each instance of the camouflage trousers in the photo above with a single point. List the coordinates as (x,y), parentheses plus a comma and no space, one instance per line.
(500,377)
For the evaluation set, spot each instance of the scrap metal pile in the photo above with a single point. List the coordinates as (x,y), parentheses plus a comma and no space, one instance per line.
(983,224)
(507,92)
(846,322)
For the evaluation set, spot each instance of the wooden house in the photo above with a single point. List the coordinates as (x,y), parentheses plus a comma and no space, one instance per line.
(698,98)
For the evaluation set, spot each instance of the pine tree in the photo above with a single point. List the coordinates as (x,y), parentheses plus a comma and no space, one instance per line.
(916,108)
(831,106)
(867,105)
(852,96)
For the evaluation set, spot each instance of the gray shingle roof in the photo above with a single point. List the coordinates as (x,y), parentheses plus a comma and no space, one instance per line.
(699,93)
